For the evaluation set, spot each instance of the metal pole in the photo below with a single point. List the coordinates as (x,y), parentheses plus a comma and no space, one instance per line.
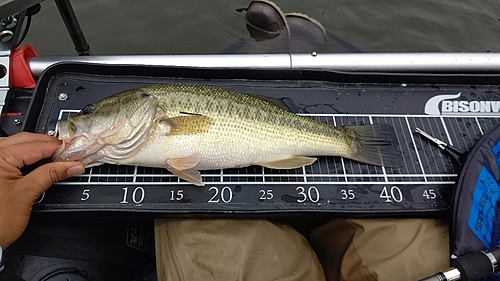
(363,62)
(73,27)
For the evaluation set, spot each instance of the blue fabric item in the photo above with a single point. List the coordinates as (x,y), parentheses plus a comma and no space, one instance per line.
(495,236)
(496,151)
(495,277)
(483,210)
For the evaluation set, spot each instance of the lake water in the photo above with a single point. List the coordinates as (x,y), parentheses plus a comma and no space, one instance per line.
(209,27)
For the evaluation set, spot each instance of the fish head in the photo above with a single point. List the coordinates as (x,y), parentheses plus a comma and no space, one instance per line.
(112,124)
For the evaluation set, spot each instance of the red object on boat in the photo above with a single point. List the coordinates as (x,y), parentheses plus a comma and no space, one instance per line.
(20,72)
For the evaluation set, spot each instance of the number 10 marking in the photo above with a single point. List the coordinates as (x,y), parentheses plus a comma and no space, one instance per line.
(137,195)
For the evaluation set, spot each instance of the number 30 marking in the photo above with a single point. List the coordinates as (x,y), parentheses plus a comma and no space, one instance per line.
(312,194)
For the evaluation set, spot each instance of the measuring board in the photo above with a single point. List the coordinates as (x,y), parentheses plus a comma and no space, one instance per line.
(422,185)
(420,178)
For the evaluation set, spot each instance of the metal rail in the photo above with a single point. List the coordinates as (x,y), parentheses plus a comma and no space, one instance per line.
(364,62)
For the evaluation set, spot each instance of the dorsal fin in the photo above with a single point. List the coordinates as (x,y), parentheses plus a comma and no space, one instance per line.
(274,101)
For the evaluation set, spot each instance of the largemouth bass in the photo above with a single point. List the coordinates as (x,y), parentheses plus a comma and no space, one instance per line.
(187,128)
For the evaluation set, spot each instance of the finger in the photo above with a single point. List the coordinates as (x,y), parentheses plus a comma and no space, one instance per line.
(22,154)
(24,137)
(43,177)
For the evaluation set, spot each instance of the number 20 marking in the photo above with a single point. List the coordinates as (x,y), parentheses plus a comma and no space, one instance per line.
(226,194)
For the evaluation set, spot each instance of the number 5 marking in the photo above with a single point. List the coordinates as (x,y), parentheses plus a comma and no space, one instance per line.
(85,195)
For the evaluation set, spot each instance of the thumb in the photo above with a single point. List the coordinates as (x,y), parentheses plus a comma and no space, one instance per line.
(43,177)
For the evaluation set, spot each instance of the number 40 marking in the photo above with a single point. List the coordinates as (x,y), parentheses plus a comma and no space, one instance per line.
(393,194)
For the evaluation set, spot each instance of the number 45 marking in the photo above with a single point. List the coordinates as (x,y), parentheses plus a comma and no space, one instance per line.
(429,194)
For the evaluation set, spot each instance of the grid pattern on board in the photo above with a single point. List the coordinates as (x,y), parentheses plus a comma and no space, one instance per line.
(424,163)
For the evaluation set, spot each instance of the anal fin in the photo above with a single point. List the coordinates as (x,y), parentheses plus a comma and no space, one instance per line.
(290,163)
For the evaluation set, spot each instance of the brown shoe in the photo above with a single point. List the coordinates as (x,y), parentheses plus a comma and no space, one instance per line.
(265,21)
(306,34)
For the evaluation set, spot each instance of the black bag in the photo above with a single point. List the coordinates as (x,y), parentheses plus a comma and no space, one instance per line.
(475,216)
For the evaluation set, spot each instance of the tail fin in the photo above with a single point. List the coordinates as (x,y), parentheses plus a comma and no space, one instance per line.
(376,145)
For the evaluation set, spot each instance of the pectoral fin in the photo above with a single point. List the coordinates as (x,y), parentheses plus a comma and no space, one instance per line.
(290,163)
(186,125)
(191,175)
(183,167)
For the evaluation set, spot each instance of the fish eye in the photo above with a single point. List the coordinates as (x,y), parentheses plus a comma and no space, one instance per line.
(88,109)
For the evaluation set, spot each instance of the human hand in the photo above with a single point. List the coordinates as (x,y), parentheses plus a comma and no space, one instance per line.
(17,192)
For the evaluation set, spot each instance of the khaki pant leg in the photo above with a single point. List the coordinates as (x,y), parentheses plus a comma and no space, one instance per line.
(382,249)
(220,249)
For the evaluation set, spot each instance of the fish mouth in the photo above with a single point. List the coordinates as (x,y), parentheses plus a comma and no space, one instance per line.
(68,151)
(63,134)
(64,156)
(63,130)
(58,152)
(73,147)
